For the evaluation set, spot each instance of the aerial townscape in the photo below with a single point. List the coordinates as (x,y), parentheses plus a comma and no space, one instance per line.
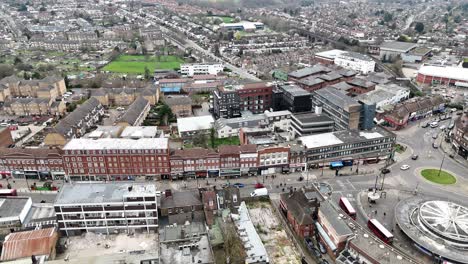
(234,131)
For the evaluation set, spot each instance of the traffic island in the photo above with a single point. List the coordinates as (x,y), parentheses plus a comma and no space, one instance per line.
(438,176)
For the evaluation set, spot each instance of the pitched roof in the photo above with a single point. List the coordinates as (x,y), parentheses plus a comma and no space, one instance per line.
(134,110)
(76,116)
(25,244)
(300,206)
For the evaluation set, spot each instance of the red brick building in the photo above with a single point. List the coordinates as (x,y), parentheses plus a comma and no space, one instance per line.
(116,158)
(197,162)
(256,97)
(31,163)
(273,158)
(300,208)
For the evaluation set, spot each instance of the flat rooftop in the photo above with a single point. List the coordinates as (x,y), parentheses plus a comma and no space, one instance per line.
(139,132)
(398,46)
(195,123)
(449,72)
(294,90)
(333,217)
(330,54)
(345,136)
(337,97)
(13,206)
(306,118)
(116,144)
(97,193)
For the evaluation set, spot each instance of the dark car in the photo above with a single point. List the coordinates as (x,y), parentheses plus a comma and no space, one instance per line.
(312,248)
(385,170)
(239,185)
(304,261)
(434,145)
(425,125)
(323,261)
(414,157)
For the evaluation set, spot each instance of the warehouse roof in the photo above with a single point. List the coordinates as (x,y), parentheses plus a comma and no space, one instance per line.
(454,73)
(25,244)
(398,46)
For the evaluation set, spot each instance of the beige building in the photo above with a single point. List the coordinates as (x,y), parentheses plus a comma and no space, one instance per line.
(34,107)
(181,106)
(50,87)
(125,96)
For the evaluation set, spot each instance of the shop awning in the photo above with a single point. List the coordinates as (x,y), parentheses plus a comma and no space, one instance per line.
(336,164)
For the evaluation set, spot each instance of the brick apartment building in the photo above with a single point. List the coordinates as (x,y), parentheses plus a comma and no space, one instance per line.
(256,97)
(116,158)
(196,162)
(271,159)
(31,163)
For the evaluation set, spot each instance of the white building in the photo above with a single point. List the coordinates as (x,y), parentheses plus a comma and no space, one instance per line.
(385,95)
(355,61)
(191,69)
(106,208)
(190,126)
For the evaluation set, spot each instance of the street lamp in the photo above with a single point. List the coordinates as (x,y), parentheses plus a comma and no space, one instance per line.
(441,164)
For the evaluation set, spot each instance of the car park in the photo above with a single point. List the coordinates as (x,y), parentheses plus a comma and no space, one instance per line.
(404,167)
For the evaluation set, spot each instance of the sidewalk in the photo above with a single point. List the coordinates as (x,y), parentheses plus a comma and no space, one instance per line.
(447,148)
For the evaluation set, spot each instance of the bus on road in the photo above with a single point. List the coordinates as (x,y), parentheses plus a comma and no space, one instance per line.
(347,207)
(379,230)
(8,192)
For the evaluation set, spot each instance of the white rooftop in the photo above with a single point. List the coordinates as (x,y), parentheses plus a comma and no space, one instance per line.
(370,135)
(255,250)
(330,54)
(195,123)
(116,143)
(139,132)
(450,72)
(320,140)
(277,113)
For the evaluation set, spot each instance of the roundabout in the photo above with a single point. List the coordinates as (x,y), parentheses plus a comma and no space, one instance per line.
(438,228)
(439,177)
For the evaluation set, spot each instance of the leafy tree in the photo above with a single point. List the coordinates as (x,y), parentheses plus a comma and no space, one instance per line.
(17,61)
(147,73)
(22,8)
(419,27)
(388,17)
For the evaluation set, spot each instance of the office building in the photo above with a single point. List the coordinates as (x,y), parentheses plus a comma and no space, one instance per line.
(191,69)
(303,124)
(292,98)
(226,103)
(358,146)
(106,208)
(356,62)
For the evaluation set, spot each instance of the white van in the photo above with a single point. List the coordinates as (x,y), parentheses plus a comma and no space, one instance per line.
(259,192)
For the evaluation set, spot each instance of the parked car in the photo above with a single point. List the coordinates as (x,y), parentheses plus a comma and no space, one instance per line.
(304,261)
(434,124)
(323,261)
(404,167)
(259,185)
(425,125)
(385,170)
(434,136)
(451,126)
(443,127)
(239,185)
(414,157)
(322,247)
(434,145)
(309,243)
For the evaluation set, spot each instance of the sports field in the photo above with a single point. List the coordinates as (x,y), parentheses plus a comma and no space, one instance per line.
(136,63)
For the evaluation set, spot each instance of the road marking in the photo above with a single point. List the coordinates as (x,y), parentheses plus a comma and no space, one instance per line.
(352,186)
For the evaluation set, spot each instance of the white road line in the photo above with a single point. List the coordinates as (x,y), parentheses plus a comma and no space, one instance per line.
(352,186)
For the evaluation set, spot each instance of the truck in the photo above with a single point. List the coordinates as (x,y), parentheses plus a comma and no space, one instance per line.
(259,192)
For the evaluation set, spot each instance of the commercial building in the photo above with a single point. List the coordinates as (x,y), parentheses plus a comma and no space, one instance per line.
(292,98)
(116,158)
(333,230)
(194,162)
(13,213)
(242,26)
(350,145)
(301,210)
(392,49)
(416,55)
(106,208)
(226,103)
(347,112)
(230,127)
(328,57)
(273,159)
(303,124)
(460,136)
(355,61)
(34,163)
(235,161)
(191,69)
(180,207)
(444,75)
(308,71)
(190,126)
(385,95)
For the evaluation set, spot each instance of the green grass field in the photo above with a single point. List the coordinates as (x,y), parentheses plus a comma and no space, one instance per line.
(433,176)
(226,19)
(135,64)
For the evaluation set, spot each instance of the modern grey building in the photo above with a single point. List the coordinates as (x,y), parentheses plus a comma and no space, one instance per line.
(106,208)
(346,111)
(362,146)
(226,104)
(303,124)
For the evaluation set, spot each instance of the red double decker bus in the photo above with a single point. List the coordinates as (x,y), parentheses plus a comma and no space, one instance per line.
(8,192)
(380,231)
(347,207)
